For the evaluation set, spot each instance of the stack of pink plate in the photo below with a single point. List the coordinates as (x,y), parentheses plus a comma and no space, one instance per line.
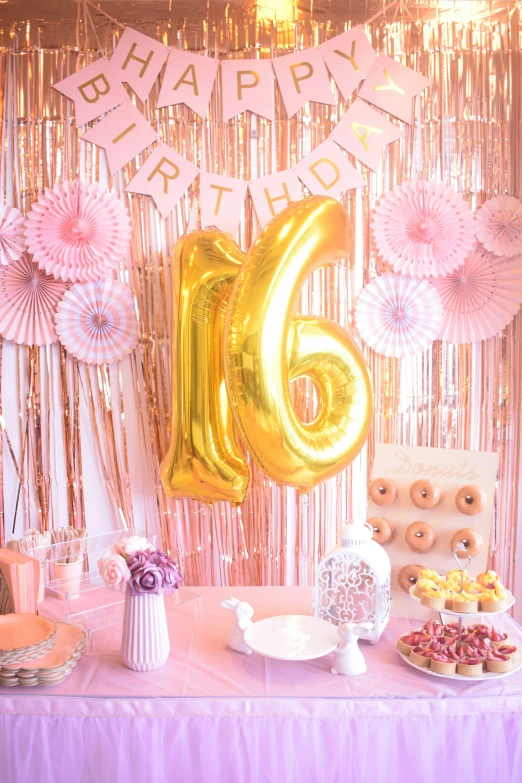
(35,651)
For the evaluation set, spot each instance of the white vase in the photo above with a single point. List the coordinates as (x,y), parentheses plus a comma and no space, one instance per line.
(145,637)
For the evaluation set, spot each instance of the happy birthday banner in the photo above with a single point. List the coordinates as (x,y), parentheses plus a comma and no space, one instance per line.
(246,85)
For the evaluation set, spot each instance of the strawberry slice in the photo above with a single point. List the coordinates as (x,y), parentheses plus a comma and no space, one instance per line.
(429,628)
(507,650)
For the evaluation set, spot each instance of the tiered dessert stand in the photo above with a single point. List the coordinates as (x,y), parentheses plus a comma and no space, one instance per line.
(461,617)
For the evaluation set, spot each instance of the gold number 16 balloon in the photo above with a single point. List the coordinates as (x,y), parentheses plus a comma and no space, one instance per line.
(237,345)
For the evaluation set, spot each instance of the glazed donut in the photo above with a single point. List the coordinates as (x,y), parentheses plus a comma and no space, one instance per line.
(470,500)
(425,494)
(408,576)
(420,536)
(383,491)
(471,540)
(382,530)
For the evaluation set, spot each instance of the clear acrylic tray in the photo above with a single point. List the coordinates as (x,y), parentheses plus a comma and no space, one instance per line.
(80,597)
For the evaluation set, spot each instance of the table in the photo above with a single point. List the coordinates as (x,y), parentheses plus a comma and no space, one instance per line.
(214,715)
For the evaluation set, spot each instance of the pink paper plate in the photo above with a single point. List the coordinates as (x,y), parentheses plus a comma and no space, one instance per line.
(69,640)
(23,630)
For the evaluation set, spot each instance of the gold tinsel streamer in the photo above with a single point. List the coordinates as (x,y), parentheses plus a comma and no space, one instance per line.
(465,397)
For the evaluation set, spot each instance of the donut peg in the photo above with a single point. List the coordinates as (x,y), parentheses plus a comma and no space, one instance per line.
(425,494)
(408,575)
(466,543)
(382,530)
(383,492)
(470,500)
(420,537)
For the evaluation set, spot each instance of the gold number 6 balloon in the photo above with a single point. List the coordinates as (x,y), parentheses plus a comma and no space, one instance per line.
(258,351)
(267,346)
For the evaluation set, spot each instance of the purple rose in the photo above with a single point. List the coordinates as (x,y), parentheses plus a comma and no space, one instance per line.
(170,572)
(137,560)
(146,578)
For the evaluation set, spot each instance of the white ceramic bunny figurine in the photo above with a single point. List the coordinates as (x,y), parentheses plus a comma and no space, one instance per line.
(243,613)
(348,659)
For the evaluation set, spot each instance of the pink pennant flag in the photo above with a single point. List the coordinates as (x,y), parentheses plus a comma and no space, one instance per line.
(327,172)
(363,132)
(94,90)
(165,176)
(123,134)
(349,58)
(273,193)
(302,77)
(138,59)
(391,86)
(222,200)
(247,85)
(189,78)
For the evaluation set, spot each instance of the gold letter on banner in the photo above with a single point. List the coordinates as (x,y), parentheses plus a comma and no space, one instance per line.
(204,461)
(267,346)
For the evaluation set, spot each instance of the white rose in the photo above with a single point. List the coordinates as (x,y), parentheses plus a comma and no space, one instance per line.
(128,546)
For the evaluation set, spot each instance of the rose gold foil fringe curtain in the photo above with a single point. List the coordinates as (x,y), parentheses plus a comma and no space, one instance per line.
(467,133)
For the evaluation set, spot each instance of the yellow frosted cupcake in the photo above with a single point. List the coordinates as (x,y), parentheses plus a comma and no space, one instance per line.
(422,585)
(427,573)
(434,598)
(457,576)
(474,587)
(489,579)
(493,600)
(464,603)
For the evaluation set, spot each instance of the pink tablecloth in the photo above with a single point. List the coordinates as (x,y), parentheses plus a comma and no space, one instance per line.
(217,716)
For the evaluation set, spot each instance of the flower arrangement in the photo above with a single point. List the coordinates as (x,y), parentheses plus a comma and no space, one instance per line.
(134,563)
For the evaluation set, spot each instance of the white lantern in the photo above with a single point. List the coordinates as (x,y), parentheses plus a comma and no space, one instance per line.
(352,583)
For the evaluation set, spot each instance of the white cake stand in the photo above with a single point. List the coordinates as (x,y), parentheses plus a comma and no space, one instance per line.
(292,637)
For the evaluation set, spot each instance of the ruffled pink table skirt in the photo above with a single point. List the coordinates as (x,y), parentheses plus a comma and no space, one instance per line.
(216,716)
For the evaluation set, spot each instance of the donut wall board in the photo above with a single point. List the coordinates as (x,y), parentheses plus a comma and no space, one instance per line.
(450,471)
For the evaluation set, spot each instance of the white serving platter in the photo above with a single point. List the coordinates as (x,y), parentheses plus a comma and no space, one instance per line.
(292,637)
(461,677)
(510,597)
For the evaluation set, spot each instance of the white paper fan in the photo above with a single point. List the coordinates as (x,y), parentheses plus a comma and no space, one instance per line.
(397,315)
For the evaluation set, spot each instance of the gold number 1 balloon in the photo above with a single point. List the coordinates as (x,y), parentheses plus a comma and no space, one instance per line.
(267,346)
(204,461)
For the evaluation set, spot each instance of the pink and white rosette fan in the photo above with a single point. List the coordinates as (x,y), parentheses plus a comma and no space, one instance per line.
(499,226)
(398,316)
(12,240)
(28,302)
(480,298)
(423,229)
(78,231)
(96,322)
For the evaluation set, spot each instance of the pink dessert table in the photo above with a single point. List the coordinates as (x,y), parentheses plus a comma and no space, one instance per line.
(216,716)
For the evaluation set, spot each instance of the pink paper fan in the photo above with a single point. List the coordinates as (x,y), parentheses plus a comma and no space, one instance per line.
(398,316)
(28,302)
(78,231)
(480,298)
(423,229)
(96,322)
(12,240)
(499,226)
